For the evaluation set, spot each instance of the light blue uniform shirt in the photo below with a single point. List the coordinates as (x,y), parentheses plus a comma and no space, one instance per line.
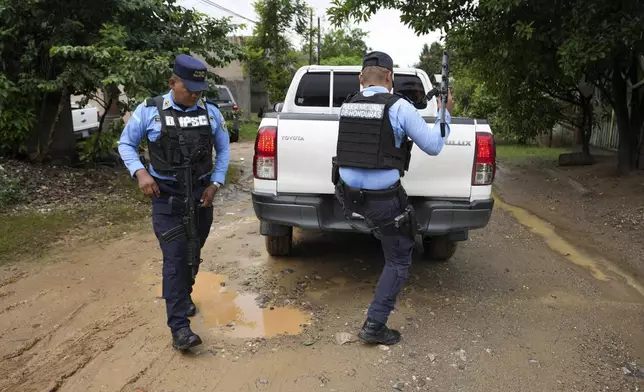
(405,121)
(143,123)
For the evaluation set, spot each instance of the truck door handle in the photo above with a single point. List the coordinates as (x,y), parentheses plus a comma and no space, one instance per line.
(82,112)
(84,120)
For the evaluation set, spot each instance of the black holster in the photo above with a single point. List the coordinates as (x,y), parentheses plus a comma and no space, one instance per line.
(335,171)
(403,224)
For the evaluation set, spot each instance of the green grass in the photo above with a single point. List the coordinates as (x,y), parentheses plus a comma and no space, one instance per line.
(522,154)
(248,129)
(33,233)
(30,234)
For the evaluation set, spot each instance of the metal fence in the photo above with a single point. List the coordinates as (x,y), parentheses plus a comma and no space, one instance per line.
(605,133)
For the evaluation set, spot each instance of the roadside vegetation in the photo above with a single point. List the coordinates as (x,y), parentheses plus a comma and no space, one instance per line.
(518,154)
(29,225)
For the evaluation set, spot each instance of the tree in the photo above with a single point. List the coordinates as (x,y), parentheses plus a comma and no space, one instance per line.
(271,57)
(562,45)
(87,49)
(431,58)
(346,42)
(342,60)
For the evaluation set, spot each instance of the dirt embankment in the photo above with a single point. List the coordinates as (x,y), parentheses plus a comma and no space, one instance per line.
(589,205)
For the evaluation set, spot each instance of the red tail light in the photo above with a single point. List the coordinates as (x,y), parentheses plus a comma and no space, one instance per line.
(265,158)
(235,107)
(484,167)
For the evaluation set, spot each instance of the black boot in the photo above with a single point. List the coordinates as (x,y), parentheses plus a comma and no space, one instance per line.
(376,332)
(192,308)
(184,338)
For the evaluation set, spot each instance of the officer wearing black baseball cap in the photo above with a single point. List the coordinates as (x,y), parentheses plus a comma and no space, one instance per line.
(378,59)
(367,179)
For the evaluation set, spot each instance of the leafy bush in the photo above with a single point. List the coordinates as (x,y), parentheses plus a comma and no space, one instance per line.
(101,144)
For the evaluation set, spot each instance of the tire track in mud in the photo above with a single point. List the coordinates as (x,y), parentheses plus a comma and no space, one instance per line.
(23,302)
(30,344)
(49,368)
(13,279)
(136,377)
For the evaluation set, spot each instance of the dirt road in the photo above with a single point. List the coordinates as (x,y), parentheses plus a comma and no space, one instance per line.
(517,309)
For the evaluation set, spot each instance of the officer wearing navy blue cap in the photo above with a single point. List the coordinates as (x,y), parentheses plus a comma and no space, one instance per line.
(373,153)
(178,123)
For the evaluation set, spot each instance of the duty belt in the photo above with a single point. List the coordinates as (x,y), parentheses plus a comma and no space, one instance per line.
(360,196)
(403,224)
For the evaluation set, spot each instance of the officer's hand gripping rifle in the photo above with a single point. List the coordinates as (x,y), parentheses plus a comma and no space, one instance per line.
(444,88)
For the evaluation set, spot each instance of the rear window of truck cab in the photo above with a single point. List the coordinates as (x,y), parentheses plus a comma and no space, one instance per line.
(315,87)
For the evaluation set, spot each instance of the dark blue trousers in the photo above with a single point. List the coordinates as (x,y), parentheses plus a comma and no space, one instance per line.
(397,251)
(177,277)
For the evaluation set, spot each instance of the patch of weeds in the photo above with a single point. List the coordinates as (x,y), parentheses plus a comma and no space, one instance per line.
(11,190)
(31,233)
(522,154)
(248,129)
(233,175)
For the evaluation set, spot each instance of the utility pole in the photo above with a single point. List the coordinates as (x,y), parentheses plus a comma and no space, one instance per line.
(318,40)
(311,39)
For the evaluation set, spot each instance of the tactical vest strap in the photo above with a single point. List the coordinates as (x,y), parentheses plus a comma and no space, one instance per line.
(406,98)
(150,103)
(158,101)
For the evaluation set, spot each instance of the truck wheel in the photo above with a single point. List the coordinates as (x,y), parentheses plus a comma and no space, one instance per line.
(439,248)
(279,245)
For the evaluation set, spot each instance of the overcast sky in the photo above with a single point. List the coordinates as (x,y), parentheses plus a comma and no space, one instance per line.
(385,31)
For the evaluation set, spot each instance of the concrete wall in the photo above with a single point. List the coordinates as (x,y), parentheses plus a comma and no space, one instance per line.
(241,91)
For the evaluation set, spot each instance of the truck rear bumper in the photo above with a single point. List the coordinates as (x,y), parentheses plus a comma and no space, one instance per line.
(322,212)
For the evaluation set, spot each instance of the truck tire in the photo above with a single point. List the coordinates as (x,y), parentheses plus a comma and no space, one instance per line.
(439,248)
(279,245)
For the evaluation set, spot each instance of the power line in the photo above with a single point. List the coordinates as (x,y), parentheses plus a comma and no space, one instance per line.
(212,4)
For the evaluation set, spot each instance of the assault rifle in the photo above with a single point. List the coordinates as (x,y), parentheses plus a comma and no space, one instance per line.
(187,205)
(444,88)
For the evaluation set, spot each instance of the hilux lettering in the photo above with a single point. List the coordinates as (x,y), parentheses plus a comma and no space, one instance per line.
(459,143)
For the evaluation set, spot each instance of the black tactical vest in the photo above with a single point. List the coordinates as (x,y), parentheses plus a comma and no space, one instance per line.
(366,137)
(192,137)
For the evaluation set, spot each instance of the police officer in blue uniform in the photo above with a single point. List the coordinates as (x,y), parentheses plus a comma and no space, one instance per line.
(373,153)
(176,124)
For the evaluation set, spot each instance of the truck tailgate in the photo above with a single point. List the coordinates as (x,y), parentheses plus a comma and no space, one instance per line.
(307,142)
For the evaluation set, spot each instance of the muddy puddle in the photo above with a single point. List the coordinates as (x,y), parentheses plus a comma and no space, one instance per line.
(237,315)
(600,268)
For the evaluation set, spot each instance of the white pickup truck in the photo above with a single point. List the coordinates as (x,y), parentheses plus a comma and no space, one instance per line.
(451,192)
